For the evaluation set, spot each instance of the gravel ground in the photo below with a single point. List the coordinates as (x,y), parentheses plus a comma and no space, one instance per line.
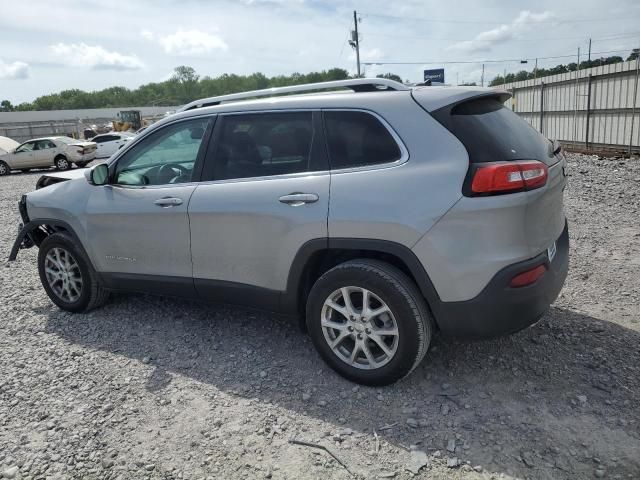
(150,387)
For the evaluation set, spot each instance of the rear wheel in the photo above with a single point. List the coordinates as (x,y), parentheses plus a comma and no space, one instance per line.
(62,163)
(4,168)
(67,276)
(368,321)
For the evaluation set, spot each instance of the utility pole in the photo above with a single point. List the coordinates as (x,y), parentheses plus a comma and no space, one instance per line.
(589,58)
(504,78)
(535,72)
(482,78)
(356,39)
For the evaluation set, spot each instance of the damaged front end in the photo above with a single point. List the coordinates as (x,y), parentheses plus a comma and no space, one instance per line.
(29,233)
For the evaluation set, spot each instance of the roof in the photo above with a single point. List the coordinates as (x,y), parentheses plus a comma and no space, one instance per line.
(378,100)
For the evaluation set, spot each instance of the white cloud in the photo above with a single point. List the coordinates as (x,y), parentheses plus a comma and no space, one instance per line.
(14,70)
(191,43)
(147,34)
(484,41)
(94,56)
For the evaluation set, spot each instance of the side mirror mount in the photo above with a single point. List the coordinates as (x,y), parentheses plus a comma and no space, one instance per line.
(98,174)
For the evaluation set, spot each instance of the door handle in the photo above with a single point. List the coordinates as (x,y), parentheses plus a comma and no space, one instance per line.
(167,202)
(297,199)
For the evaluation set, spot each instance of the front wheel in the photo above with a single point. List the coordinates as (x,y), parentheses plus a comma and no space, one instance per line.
(4,168)
(67,276)
(369,322)
(62,163)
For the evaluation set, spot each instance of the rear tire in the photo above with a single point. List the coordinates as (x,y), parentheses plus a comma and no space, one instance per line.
(377,345)
(62,163)
(67,275)
(4,169)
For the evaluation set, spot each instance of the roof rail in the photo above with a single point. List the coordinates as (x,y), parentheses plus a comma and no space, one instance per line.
(356,84)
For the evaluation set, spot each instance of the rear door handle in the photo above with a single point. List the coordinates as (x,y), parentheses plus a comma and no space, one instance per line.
(166,202)
(297,199)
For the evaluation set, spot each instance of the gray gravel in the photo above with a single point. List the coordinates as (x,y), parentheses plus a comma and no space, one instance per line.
(161,388)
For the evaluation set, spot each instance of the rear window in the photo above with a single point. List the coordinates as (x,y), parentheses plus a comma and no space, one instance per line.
(491,132)
(358,138)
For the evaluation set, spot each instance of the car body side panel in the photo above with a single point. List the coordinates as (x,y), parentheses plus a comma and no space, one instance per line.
(400,202)
(480,236)
(242,233)
(65,201)
(131,234)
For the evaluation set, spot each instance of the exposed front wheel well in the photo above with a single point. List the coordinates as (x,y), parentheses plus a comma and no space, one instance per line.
(43,231)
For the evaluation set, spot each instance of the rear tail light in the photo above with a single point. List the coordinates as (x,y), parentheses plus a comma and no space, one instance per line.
(527,278)
(507,177)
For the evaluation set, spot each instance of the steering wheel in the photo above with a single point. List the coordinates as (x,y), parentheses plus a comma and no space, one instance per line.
(169,172)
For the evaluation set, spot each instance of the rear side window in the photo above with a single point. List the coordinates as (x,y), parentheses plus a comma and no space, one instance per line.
(491,132)
(357,139)
(263,144)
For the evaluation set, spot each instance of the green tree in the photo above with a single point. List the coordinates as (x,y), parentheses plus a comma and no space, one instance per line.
(184,86)
(390,76)
(5,106)
(635,53)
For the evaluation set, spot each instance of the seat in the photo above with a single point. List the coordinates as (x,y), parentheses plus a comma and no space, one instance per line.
(244,157)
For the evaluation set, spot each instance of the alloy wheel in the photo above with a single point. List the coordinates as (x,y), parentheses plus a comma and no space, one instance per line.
(360,328)
(63,274)
(62,164)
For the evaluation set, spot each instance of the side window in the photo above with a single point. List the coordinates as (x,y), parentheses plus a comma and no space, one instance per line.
(166,156)
(98,139)
(357,139)
(263,144)
(44,145)
(25,147)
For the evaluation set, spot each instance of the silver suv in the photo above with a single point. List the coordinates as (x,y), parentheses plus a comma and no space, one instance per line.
(376,215)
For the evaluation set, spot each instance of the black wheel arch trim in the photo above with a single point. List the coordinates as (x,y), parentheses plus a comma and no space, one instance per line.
(290,298)
(31,225)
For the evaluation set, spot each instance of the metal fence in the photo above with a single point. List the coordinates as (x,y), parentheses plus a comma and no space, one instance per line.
(23,132)
(22,126)
(594,108)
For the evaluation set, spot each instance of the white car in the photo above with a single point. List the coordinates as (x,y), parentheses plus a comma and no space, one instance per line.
(110,143)
(59,152)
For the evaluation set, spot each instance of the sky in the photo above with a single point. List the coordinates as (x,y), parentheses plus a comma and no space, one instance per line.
(49,46)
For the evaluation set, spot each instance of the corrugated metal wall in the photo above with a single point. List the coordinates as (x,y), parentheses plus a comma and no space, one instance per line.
(23,126)
(559,105)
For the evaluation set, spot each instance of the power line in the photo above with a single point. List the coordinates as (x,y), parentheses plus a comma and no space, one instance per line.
(418,37)
(484,22)
(484,61)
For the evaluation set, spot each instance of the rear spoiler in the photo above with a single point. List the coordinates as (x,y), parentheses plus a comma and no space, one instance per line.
(435,98)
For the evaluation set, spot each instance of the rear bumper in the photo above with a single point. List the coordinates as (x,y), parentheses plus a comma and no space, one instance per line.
(500,309)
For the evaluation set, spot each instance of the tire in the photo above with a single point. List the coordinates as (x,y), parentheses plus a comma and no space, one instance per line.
(4,169)
(387,286)
(90,295)
(62,163)
(81,164)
